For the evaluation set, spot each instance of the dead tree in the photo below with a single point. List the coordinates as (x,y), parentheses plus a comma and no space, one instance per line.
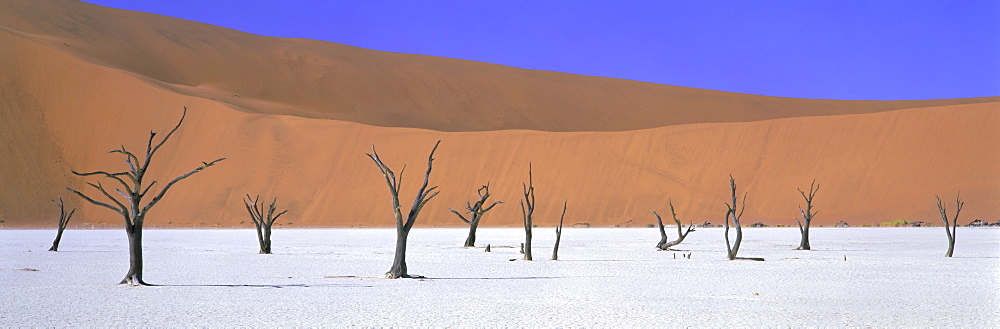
(555,250)
(424,195)
(949,228)
(262,221)
(63,221)
(476,210)
(132,209)
(527,209)
(807,215)
(734,216)
(664,244)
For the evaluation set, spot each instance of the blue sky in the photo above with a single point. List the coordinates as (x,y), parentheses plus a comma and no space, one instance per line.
(875,50)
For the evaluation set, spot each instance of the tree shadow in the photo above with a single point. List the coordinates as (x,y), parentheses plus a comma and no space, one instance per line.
(500,278)
(443,278)
(83,251)
(456,278)
(604,260)
(295,285)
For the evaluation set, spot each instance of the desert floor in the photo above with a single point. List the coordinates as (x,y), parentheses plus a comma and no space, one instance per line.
(605,277)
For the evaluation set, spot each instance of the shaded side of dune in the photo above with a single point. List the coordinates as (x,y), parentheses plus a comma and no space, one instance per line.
(324,80)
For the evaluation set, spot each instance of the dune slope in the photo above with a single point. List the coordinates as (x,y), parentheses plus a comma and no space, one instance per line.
(325,80)
(69,94)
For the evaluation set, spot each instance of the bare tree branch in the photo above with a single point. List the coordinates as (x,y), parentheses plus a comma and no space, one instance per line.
(175,180)
(102,204)
(460,216)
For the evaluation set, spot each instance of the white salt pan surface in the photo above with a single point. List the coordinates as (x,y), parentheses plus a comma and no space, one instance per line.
(605,277)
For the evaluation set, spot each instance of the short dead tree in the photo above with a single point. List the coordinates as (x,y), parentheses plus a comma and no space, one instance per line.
(734,216)
(807,215)
(949,228)
(555,250)
(664,244)
(425,194)
(63,221)
(262,221)
(132,210)
(476,212)
(527,209)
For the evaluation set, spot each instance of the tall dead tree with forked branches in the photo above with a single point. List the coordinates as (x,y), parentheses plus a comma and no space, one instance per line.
(263,221)
(807,215)
(132,209)
(527,211)
(734,216)
(664,244)
(476,212)
(63,222)
(424,195)
(949,228)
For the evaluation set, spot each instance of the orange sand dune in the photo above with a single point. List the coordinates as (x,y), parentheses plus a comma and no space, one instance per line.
(325,80)
(70,93)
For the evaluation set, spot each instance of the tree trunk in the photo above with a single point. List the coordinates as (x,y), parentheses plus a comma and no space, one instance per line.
(471,240)
(951,239)
(266,247)
(951,247)
(527,243)
(804,244)
(555,250)
(55,243)
(398,269)
(729,248)
(663,233)
(739,238)
(260,237)
(134,276)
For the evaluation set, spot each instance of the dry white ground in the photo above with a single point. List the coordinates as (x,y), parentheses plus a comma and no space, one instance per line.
(605,277)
